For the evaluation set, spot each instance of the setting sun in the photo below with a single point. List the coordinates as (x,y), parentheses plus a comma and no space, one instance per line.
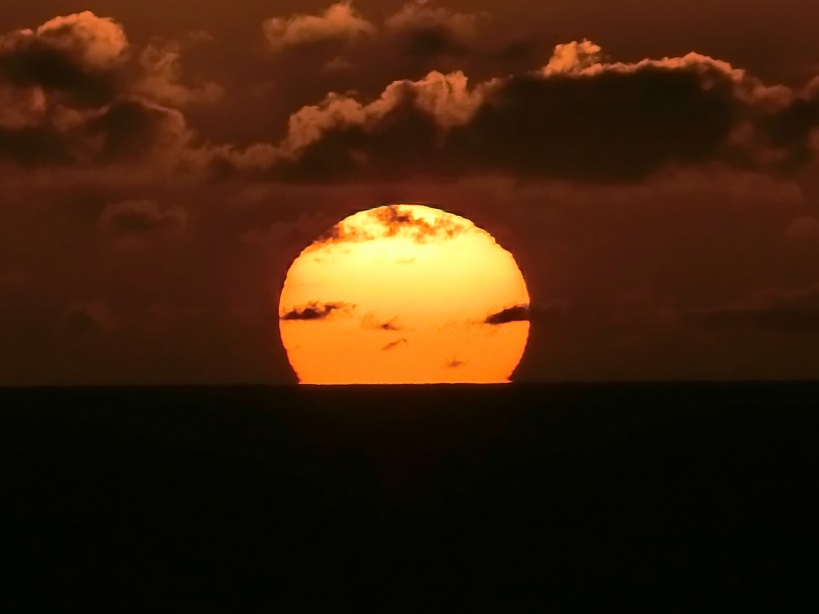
(404,294)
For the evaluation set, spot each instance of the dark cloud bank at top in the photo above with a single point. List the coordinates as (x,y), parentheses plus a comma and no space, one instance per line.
(75,91)
(578,118)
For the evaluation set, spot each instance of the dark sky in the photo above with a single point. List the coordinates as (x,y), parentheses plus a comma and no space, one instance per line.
(653,167)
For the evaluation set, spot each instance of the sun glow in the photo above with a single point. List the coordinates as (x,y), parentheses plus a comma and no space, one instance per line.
(404,294)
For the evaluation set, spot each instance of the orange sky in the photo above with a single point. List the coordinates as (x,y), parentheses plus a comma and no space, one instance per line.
(653,169)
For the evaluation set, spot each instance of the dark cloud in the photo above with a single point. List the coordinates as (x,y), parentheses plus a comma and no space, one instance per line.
(312,312)
(396,220)
(131,128)
(75,91)
(77,54)
(579,118)
(371,322)
(518,313)
(392,221)
(435,41)
(433,31)
(86,60)
(342,233)
(793,316)
(455,364)
(418,28)
(395,344)
(141,216)
(55,70)
(160,74)
(33,146)
(404,42)
(607,127)
(546,314)
(789,131)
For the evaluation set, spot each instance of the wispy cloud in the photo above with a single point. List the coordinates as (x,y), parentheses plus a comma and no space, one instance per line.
(395,344)
(313,311)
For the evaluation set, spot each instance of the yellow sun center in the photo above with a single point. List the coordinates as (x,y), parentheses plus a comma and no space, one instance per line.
(404,294)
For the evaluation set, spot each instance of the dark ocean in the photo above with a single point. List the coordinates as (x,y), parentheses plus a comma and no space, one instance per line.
(556,498)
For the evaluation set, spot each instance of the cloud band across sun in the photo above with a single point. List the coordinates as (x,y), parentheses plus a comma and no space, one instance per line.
(518,313)
(312,312)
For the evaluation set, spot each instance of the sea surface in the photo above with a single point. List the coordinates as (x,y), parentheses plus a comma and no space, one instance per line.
(697,497)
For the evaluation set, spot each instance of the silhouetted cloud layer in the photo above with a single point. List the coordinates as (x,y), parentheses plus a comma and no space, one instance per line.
(580,117)
(76,91)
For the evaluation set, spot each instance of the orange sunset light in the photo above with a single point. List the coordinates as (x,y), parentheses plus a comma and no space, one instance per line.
(404,294)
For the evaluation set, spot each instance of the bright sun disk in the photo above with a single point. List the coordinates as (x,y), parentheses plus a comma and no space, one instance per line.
(404,294)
